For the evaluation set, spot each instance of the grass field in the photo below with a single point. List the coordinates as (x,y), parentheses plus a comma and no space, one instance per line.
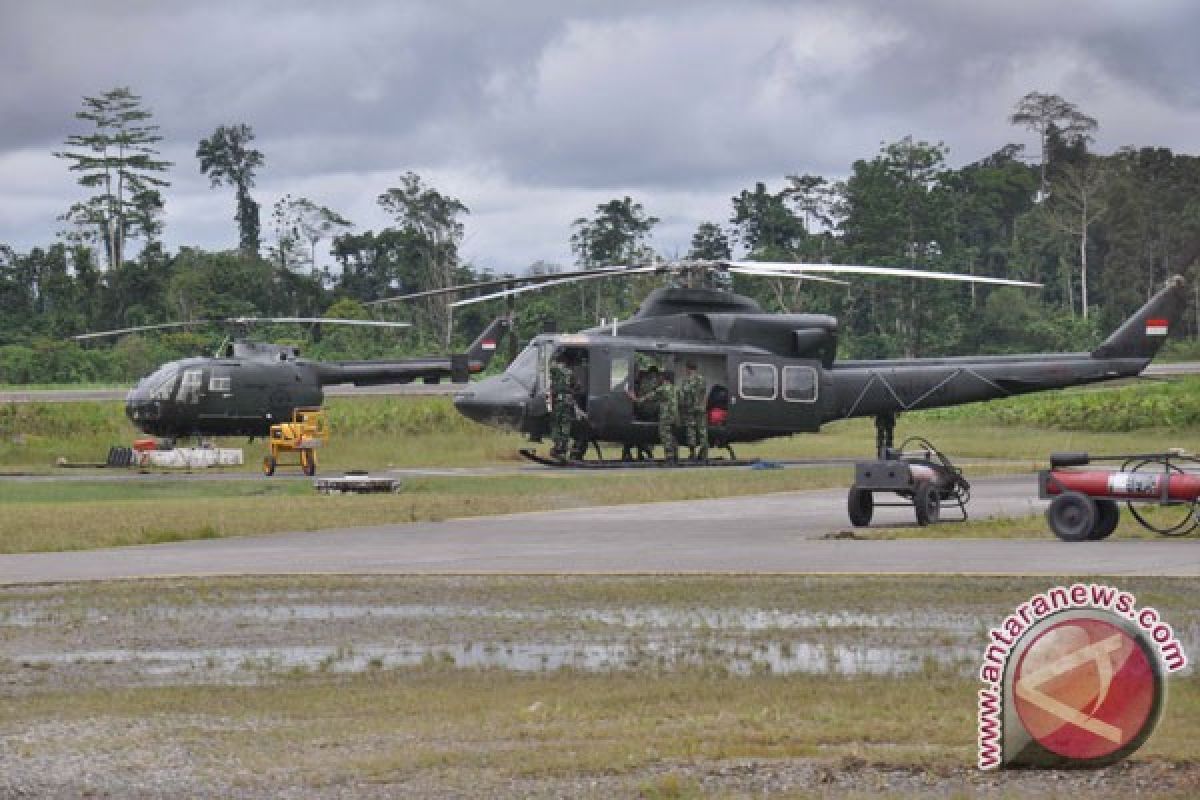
(378,432)
(381,432)
(84,515)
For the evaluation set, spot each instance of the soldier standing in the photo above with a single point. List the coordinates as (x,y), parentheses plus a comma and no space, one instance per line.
(664,396)
(692,393)
(562,408)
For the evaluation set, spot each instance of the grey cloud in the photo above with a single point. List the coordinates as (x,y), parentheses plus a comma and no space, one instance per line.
(570,102)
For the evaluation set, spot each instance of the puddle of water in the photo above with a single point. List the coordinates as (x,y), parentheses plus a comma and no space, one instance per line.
(748,619)
(781,658)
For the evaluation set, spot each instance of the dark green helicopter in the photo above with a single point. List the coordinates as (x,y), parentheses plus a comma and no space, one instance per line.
(775,374)
(249,386)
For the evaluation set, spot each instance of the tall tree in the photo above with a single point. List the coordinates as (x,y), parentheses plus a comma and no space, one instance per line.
(765,225)
(434,218)
(1045,114)
(896,209)
(616,235)
(117,158)
(299,220)
(1075,204)
(227,158)
(709,243)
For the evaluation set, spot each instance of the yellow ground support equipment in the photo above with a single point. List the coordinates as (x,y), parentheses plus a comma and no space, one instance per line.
(307,431)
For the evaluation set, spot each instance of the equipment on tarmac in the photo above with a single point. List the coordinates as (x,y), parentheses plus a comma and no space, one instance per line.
(306,432)
(924,478)
(1083,503)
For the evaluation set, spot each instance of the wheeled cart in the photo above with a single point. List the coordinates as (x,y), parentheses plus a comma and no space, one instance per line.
(1083,502)
(306,432)
(922,477)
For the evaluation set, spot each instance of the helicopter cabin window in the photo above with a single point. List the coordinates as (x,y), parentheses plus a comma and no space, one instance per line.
(193,379)
(618,373)
(219,383)
(757,381)
(799,384)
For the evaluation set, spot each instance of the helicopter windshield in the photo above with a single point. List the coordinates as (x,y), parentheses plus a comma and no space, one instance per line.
(160,384)
(524,366)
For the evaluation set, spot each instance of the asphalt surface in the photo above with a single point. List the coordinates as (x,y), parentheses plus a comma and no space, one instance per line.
(776,533)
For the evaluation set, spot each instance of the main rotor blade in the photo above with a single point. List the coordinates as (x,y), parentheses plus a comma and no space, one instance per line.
(900,272)
(373,323)
(525,279)
(611,272)
(139,328)
(774,273)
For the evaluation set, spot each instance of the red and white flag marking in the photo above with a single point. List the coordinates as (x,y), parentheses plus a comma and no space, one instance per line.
(1156,327)
(490,344)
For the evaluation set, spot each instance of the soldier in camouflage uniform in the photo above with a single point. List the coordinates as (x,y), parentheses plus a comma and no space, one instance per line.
(668,416)
(692,393)
(665,399)
(562,408)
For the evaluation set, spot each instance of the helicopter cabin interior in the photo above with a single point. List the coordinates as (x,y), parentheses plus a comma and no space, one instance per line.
(756,392)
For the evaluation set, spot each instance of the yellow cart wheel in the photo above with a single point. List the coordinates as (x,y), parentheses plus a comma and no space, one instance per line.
(268,466)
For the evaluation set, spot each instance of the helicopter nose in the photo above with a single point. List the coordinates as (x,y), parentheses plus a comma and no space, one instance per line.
(498,401)
(140,408)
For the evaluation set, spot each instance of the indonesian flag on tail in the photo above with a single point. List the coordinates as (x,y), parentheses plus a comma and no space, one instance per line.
(1156,327)
(490,344)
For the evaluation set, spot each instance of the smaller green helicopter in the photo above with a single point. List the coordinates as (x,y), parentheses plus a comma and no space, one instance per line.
(249,386)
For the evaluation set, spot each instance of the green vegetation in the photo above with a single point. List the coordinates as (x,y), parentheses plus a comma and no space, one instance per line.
(903,205)
(375,432)
(1173,405)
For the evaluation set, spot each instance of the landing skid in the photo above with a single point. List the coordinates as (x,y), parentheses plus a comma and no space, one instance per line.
(616,463)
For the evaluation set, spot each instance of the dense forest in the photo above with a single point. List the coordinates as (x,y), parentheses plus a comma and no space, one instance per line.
(1100,231)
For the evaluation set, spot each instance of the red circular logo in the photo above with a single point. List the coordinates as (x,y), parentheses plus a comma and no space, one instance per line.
(1085,688)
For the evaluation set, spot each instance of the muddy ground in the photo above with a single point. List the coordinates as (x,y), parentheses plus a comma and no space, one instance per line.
(215,688)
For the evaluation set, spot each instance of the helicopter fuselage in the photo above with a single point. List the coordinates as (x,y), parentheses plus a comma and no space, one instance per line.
(221,397)
(775,375)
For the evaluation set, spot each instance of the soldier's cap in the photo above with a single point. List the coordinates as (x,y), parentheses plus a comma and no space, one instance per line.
(652,368)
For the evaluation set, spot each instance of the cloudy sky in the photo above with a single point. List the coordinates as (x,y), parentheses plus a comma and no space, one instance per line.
(534,111)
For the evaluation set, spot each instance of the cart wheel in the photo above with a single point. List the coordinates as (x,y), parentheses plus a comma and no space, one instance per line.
(308,462)
(1108,514)
(1072,516)
(927,502)
(269,465)
(861,504)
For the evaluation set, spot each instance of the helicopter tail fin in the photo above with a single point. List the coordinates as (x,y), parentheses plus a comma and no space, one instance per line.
(480,353)
(1144,333)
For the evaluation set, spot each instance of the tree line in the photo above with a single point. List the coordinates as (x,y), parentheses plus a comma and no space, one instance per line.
(1102,232)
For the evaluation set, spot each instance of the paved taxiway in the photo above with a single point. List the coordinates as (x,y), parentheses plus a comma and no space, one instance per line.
(776,533)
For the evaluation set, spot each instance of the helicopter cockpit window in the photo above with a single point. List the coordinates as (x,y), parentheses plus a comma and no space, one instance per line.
(757,381)
(524,366)
(161,384)
(189,386)
(799,384)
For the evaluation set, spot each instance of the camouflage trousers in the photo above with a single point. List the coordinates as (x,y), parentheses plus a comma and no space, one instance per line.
(666,435)
(695,433)
(560,432)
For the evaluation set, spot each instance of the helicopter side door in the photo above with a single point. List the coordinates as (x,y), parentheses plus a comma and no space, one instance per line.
(608,379)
